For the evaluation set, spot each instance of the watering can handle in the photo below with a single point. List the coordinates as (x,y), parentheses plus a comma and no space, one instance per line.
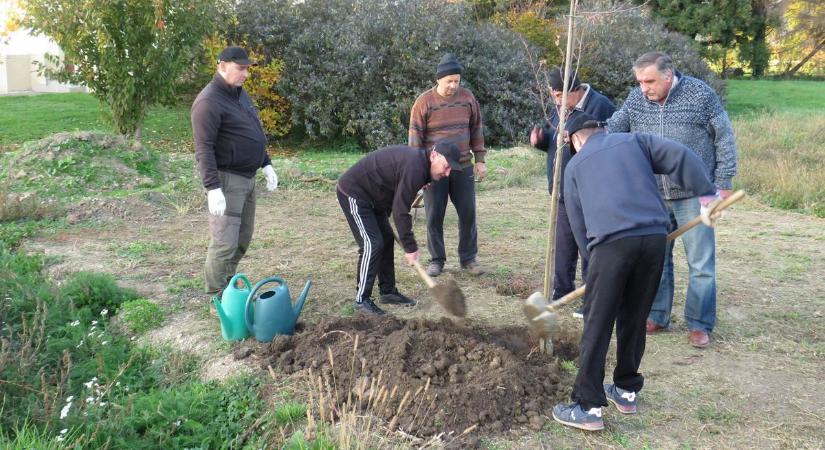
(242,277)
(251,297)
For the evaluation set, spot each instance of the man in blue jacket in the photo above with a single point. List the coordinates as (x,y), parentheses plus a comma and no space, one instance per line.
(685,109)
(620,224)
(581,97)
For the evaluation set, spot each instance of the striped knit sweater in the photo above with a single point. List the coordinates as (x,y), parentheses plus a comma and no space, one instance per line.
(457,119)
(692,115)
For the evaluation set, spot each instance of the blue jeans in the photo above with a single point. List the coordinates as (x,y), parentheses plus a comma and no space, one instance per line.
(700,249)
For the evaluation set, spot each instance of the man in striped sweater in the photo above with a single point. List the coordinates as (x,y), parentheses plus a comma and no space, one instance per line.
(685,109)
(450,113)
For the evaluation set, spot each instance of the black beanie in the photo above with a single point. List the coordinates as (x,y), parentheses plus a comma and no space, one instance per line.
(557,83)
(448,66)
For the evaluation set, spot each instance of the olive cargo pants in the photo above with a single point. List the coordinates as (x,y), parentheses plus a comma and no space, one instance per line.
(230,233)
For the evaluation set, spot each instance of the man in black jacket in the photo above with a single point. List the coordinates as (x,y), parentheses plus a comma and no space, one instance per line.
(581,97)
(230,147)
(382,183)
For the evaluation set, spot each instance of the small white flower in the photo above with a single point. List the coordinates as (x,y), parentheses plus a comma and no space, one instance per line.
(102,403)
(81,343)
(177,423)
(60,438)
(65,411)
(104,342)
(117,384)
(64,431)
(75,323)
(90,399)
(69,399)
(94,322)
(133,338)
(104,312)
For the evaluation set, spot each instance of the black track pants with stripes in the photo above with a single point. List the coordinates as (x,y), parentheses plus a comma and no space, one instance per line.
(374,235)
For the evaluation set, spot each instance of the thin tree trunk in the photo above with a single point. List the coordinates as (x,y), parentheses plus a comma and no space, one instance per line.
(792,71)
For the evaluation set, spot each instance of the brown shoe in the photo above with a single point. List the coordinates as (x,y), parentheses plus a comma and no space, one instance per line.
(699,339)
(652,328)
(474,268)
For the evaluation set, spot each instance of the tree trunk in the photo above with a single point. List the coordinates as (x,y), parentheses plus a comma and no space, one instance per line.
(792,71)
(759,49)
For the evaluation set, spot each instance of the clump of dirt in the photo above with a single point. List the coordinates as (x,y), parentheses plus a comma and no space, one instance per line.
(456,375)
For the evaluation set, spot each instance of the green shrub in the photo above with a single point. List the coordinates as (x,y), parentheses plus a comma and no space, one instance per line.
(95,291)
(612,42)
(141,315)
(355,67)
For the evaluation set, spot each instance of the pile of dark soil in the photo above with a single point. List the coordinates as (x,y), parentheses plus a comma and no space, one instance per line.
(456,375)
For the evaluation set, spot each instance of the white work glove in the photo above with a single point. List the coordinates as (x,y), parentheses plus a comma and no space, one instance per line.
(707,203)
(217,202)
(271,178)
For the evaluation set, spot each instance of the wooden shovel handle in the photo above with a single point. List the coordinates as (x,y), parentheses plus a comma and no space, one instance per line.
(735,197)
(424,276)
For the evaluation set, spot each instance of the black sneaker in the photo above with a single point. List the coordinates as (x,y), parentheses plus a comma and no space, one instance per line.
(367,306)
(396,298)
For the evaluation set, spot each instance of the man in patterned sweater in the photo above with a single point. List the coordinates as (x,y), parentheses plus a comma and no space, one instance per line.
(685,109)
(450,113)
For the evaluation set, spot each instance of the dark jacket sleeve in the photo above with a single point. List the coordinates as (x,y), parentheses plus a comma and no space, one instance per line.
(206,120)
(405,193)
(678,162)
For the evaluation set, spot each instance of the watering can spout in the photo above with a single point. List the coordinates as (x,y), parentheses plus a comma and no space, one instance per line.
(219,308)
(299,303)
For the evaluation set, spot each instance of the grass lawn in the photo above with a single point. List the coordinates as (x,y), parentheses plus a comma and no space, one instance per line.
(28,117)
(758,96)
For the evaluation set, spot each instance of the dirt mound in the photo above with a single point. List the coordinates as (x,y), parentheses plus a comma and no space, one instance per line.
(456,375)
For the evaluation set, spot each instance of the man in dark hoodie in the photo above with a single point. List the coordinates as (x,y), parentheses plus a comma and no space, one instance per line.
(381,184)
(620,223)
(230,147)
(581,97)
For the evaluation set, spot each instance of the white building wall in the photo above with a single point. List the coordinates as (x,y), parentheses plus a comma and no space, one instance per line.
(18,65)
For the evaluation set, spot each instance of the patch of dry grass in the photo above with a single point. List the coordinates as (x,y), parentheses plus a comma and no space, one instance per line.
(781,159)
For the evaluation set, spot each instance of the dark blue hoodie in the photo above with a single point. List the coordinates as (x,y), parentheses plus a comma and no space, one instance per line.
(610,190)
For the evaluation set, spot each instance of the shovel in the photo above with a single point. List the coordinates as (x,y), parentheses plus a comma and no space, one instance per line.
(447,294)
(541,316)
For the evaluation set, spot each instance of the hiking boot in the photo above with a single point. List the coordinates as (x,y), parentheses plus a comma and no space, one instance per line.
(699,339)
(435,268)
(474,268)
(367,306)
(652,327)
(625,401)
(573,415)
(396,298)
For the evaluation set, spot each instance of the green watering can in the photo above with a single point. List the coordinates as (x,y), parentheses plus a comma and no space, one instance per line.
(232,309)
(273,310)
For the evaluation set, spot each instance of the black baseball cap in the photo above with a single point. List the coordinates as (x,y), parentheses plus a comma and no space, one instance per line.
(580,121)
(451,153)
(236,55)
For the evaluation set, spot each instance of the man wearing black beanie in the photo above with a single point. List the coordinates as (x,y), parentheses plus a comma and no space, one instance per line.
(450,113)
(581,97)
